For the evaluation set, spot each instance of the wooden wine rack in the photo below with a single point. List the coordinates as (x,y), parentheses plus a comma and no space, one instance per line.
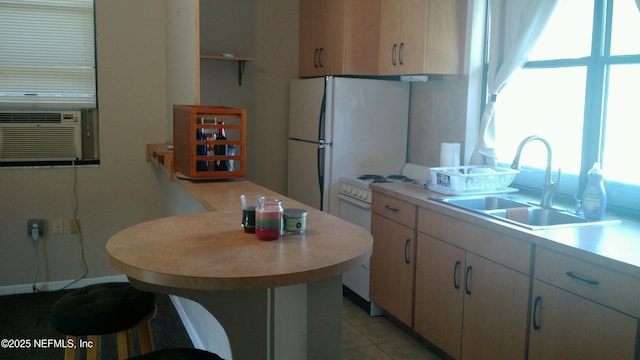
(187,120)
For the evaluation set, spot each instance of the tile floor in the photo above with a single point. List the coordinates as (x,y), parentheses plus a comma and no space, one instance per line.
(377,338)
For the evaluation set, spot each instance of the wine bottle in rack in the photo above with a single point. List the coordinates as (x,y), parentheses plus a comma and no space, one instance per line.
(221,149)
(201,149)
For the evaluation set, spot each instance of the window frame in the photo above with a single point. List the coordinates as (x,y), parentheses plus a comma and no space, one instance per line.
(76,101)
(597,65)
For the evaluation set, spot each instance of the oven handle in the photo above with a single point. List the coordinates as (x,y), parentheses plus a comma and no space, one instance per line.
(356,202)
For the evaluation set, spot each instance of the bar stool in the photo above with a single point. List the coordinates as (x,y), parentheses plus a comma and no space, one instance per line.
(102,309)
(178,354)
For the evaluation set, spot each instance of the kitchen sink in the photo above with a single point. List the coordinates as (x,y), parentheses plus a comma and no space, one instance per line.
(488,202)
(519,211)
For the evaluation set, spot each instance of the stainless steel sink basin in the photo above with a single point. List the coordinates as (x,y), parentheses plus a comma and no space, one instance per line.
(519,211)
(483,202)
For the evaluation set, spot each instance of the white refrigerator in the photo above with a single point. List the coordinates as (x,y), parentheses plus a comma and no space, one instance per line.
(343,127)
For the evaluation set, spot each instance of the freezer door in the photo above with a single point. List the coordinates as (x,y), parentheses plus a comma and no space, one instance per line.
(303,177)
(305,103)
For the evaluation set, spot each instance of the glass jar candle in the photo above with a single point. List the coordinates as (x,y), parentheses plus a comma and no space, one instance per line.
(295,221)
(269,219)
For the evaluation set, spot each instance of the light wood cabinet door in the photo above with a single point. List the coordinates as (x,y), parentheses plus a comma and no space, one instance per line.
(313,16)
(496,304)
(392,267)
(439,293)
(413,43)
(566,326)
(338,37)
(390,36)
(422,36)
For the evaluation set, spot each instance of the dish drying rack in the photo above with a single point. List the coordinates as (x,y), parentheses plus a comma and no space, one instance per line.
(474,179)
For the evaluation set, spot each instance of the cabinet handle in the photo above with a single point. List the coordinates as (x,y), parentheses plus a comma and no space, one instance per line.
(316,58)
(320,57)
(456,271)
(392,209)
(400,54)
(536,305)
(406,251)
(572,275)
(393,54)
(467,290)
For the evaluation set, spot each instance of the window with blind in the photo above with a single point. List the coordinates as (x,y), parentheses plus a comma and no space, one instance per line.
(47,54)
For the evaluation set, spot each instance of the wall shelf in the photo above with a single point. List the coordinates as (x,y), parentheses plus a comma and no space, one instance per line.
(161,155)
(240,59)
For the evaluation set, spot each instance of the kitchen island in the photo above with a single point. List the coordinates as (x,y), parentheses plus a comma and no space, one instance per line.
(275,299)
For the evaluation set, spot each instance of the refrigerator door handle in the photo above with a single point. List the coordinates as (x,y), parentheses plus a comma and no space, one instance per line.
(322,144)
(321,149)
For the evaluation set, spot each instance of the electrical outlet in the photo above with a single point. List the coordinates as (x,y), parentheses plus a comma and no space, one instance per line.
(35,224)
(74,228)
(58,226)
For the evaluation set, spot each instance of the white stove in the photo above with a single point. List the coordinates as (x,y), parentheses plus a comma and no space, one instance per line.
(355,207)
(357,186)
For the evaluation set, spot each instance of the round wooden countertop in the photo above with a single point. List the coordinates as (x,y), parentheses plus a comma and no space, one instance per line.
(211,251)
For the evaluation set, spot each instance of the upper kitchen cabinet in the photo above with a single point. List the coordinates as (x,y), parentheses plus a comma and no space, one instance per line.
(338,37)
(422,36)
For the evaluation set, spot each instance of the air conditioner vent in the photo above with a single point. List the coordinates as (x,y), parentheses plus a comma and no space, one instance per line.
(26,136)
(29,117)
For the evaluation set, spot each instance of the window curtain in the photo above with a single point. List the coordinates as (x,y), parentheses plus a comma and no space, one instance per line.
(638,4)
(516,26)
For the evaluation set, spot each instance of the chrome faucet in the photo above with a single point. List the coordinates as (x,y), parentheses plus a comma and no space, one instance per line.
(550,187)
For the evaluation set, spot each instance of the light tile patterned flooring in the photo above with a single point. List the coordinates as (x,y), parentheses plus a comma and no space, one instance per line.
(376,338)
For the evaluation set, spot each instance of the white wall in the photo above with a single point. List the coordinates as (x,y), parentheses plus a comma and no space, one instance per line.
(121,191)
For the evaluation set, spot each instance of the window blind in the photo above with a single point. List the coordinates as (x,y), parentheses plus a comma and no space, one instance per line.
(47,53)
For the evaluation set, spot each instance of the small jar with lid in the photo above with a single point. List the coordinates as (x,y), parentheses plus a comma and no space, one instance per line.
(295,221)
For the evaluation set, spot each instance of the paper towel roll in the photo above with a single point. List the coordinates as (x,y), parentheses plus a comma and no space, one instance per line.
(449,154)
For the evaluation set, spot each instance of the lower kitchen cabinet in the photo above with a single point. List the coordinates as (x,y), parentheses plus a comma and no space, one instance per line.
(470,306)
(392,266)
(566,326)
(582,310)
(439,285)
(495,309)
(393,226)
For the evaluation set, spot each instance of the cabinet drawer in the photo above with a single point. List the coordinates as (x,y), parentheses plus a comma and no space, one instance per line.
(394,209)
(503,249)
(605,286)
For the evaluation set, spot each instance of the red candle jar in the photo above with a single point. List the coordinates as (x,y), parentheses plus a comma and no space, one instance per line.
(269,219)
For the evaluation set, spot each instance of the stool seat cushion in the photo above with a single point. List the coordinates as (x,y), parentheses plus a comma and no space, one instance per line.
(178,354)
(101,309)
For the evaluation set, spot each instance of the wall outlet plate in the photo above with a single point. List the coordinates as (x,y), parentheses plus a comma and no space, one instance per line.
(37,223)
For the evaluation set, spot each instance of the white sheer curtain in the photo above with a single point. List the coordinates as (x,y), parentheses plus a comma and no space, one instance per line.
(516,25)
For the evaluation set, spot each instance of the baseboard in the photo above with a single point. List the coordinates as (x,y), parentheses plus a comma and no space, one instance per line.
(191,331)
(57,285)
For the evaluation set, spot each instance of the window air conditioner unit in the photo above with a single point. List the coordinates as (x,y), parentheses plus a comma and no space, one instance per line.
(40,135)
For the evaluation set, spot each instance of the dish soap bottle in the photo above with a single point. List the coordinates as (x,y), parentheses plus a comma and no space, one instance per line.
(594,198)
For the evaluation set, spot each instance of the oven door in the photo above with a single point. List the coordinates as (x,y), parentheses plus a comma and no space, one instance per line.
(359,213)
(355,211)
